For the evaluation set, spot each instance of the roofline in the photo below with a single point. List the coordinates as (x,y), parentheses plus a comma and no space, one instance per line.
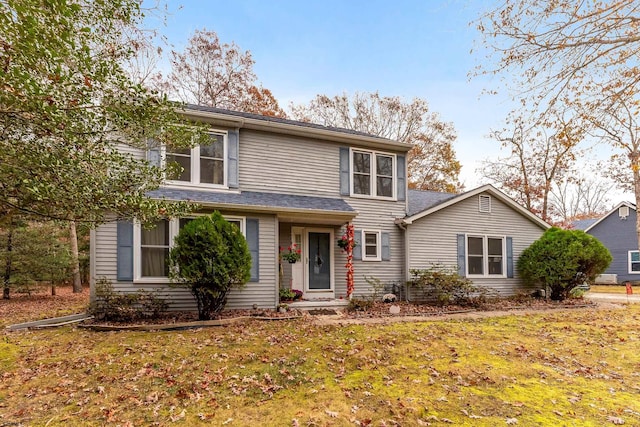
(272,209)
(485,188)
(629,204)
(296,129)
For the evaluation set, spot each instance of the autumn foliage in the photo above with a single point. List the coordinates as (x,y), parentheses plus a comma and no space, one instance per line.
(217,74)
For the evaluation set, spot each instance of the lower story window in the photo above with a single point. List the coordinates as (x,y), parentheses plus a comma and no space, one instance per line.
(154,243)
(154,250)
(485,256)
(371,246)
(634,262)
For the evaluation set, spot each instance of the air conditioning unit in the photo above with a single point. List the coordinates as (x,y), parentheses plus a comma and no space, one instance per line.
(623,212)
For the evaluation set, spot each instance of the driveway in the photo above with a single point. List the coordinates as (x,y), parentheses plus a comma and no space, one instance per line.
(635,298)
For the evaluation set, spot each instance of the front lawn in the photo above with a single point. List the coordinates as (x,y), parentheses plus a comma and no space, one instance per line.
(613,289)
(573,367)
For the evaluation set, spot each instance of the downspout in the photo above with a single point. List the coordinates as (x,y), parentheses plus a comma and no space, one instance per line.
(405,233)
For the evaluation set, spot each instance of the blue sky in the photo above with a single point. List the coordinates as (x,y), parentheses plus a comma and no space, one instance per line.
(407,48)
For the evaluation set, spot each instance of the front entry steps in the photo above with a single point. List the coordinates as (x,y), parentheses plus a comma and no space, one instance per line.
(319,305)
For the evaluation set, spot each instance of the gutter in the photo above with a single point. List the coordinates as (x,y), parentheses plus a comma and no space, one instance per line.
(292,129)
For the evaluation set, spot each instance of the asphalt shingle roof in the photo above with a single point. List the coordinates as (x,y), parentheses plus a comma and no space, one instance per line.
(583,224)
(421,200)
(279,120)
(254,198)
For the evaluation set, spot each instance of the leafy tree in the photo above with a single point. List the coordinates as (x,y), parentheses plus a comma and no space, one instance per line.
(581,56)
(218,75)
(562,259)
(432,163)
(210,257)
(39,253)
(67,109)
(541,155)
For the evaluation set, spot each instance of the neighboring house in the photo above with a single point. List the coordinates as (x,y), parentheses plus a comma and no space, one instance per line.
(482,232)
(285,182)
(281,182)
(617,231)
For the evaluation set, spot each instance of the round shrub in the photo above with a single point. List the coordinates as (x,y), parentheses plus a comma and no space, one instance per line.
(562,259)
(210,256)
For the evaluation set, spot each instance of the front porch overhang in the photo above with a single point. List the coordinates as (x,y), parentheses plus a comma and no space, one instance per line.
(288,207)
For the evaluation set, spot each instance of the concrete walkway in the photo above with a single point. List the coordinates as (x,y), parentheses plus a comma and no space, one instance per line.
(600,297)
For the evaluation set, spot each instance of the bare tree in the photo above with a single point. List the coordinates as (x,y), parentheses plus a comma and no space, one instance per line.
(582,55)
(580,198)
(541,154)
(217,74)
(563,50)
(432,163)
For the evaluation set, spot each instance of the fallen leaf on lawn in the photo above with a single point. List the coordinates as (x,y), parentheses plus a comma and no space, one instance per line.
(512,421)
(331,414)
(178,417)
(615,420)
(472,416)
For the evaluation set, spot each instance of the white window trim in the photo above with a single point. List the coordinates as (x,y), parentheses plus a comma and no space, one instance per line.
(378,256)
(174,229)
(485,256)
(373,175)
(629,263)
(195,164)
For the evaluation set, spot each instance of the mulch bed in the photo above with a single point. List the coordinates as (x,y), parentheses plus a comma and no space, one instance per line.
(24,307)
(179,320)
(380,309)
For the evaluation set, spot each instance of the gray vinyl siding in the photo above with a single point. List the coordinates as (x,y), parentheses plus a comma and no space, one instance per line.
(433,239)
(279,163)
(133,151)
(378,215)
(263,293)
(288,164)
(619,236)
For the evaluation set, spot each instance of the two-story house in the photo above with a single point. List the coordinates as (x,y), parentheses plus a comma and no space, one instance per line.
(283,182)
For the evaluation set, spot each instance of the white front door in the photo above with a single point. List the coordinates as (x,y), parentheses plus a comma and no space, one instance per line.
(318,263)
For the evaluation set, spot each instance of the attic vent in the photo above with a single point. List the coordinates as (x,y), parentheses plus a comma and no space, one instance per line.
(623,211)
(484,203)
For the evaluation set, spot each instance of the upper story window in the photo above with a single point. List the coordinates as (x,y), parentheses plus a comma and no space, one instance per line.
(485,256)
(203,164)
(373,174)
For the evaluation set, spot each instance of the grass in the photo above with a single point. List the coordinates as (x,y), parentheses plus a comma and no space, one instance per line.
(613,289)
(576,367)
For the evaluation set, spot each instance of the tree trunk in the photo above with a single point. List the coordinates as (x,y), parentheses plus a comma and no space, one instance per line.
(636,187)
(75,259)
(7,265)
